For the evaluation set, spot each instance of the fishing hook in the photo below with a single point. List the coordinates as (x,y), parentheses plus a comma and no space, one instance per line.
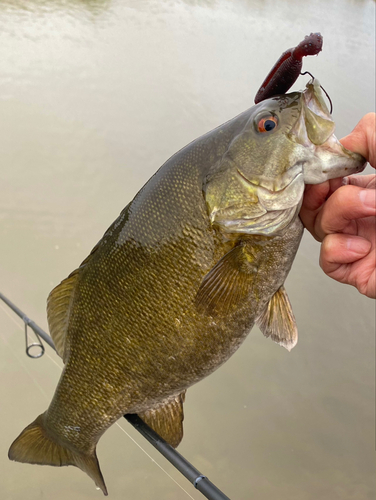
(322,88)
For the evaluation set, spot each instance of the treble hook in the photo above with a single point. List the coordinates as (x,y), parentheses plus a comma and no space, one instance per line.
(322,88)
(38,344)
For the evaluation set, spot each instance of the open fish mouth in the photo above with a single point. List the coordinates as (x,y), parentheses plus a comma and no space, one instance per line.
(315,131)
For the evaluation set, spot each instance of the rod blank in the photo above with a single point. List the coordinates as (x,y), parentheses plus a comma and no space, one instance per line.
(199,481)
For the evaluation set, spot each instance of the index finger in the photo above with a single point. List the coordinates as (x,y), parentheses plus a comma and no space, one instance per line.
(341,210)
(363,181)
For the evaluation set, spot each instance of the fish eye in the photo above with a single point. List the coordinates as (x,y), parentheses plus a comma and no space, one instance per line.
(267,123)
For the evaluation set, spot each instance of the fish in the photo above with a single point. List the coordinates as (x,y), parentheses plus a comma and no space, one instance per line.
(177,282)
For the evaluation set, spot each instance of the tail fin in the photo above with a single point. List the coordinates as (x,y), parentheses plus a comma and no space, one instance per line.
(35,446)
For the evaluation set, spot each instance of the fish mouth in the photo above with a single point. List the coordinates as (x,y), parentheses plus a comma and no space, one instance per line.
(314,129)
(279,200)
(332,160)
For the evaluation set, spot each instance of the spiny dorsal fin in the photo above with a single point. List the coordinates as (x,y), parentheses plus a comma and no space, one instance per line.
(37,446)
(227,283)
(58,303)
(59,300)
(278,321)
(167,419)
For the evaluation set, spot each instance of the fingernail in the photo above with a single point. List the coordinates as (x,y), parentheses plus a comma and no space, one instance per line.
(358,245)
(345,181)
(368,197)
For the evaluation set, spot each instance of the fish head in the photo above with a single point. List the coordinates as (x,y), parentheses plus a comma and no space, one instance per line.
(288,141)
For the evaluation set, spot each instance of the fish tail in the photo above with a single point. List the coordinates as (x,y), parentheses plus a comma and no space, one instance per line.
(35,445)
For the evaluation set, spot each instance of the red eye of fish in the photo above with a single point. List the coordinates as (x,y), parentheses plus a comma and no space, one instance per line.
(267,123)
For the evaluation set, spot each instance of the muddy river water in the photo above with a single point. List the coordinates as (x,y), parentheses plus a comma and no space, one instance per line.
(94,97)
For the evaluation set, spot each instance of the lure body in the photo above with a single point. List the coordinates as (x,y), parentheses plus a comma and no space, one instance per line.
(288,67)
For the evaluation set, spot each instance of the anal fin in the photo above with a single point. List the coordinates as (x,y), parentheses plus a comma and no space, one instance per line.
(278,322)
(167,419)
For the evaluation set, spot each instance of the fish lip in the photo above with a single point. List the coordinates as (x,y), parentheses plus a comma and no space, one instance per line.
(313,99)
(294,172)
(277,221)
(331,160)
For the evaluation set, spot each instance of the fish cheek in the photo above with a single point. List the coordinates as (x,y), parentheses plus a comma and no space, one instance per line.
(224,189)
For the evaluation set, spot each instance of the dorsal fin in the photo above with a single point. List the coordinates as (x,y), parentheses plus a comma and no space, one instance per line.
(58,303)
(167,419)
(278,322)
(58,306)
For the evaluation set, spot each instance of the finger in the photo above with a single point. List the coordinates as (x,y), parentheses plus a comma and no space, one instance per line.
(314,197)
(364,181)
(338,249)
(336,184)
(362,138)
(345,205)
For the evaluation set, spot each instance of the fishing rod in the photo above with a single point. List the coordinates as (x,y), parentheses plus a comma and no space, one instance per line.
(194,476)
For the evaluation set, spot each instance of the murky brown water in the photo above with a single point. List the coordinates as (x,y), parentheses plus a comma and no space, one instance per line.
(95,96)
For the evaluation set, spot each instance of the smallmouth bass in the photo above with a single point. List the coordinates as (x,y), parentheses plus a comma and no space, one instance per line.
(179,279)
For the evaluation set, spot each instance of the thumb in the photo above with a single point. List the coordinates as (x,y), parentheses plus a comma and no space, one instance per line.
(363,138)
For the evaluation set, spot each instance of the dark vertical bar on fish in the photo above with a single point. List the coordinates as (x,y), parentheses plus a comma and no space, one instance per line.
(200,482)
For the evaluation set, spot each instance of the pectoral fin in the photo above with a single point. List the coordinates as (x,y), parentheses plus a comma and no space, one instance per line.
(227,283)
(278,321)
(167,420)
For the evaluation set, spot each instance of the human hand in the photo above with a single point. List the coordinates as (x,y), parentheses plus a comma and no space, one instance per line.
(341,214)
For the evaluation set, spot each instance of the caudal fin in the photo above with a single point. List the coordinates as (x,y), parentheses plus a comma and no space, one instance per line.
(35,446)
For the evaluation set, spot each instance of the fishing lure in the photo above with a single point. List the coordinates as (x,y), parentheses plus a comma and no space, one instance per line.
(288,67)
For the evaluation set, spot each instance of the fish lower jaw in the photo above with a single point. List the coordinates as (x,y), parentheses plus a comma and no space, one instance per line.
(332,160)
(329,166)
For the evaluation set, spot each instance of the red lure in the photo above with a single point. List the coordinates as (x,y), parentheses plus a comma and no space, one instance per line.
(288,67)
